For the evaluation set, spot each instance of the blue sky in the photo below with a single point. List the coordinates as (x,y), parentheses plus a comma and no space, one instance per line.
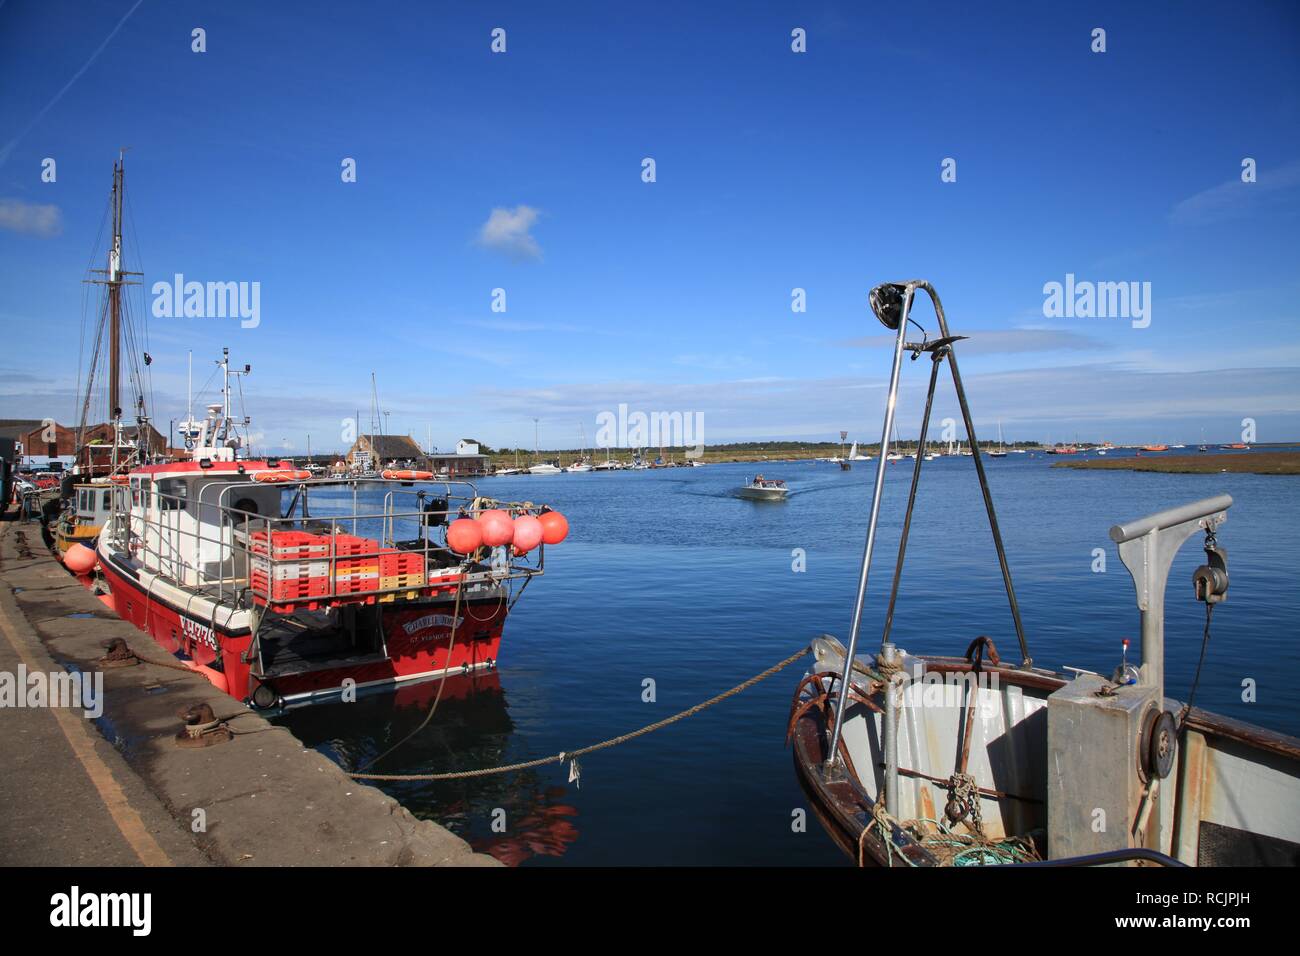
(775,170)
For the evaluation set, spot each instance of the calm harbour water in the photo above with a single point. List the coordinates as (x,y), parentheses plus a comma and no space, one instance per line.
(667,575)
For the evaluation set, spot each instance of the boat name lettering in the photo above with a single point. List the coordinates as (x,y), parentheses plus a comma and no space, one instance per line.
(430,620)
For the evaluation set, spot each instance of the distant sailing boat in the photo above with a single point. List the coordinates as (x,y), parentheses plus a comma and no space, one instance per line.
(854,456)
(510,471)
(581,464)
(546,467)
(1000,451)
(895,455)
(610,463)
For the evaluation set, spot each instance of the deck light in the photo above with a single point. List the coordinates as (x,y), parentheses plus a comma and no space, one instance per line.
(887,302)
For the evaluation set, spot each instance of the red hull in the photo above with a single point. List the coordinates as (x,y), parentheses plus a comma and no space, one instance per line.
(417,637)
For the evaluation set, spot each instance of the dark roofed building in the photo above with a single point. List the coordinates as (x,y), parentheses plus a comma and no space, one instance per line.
(38,437)
(385,451)
(16,428)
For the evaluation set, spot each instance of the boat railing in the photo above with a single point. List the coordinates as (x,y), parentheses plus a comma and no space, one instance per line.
(302,561)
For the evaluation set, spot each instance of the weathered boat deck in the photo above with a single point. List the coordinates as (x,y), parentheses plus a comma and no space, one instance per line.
(73,798)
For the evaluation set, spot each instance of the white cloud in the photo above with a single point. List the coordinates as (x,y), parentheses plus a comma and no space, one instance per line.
(508,231)
(32,219)
(1234,198)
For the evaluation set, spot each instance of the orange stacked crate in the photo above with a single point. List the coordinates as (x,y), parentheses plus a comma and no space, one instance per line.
(356,567)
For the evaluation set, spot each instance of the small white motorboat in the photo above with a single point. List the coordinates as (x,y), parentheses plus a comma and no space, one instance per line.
(546,468)
(763,489)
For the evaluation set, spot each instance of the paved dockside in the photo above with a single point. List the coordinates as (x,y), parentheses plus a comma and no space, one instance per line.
(71,797)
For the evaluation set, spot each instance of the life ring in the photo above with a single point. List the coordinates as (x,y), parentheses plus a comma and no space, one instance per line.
(406,475)
(119,479)
(279,477)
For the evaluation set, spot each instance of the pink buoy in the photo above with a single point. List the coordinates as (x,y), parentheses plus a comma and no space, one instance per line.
(528,533)
(497,527)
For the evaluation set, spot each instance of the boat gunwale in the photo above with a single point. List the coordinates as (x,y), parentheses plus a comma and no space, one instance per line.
(843,809)
(808,740)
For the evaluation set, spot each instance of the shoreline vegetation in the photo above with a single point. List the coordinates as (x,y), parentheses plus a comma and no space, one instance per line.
(1259,457)
(1253,463)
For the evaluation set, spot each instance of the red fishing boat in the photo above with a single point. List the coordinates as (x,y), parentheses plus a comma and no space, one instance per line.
(283,589)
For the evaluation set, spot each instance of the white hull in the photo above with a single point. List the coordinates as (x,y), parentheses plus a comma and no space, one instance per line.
(762,494)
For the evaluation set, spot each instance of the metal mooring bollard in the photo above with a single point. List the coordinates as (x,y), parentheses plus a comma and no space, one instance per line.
(117,654)
(202,729)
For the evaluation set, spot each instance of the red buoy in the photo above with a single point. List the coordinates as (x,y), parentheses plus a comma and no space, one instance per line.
(464,535)
(497,527)
(555,527)
(79,559)
(528,533)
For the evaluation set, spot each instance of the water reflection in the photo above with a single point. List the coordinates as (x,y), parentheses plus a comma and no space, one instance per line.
(444,726)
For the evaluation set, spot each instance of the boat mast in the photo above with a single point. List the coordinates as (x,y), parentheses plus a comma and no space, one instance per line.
(225,394)
(114,280)
(115,297)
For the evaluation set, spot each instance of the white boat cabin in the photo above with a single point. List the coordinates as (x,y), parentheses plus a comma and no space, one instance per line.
(190,521)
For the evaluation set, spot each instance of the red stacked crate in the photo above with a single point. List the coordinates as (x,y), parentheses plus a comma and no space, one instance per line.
(288,568)
(356,566)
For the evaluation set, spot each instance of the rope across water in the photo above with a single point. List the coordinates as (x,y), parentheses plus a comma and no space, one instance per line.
(592,748)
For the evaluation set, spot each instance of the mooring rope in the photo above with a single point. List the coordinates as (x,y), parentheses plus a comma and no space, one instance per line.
(567,755)
(451,645)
